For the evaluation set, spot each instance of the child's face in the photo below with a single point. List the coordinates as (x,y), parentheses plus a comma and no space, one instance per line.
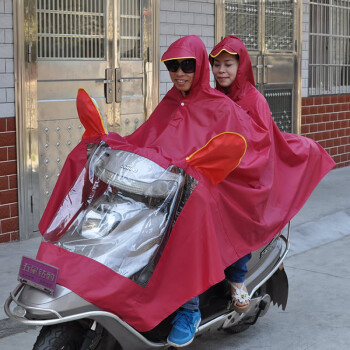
(182,81)
(225,68)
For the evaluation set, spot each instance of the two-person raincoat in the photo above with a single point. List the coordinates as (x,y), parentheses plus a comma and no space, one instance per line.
(241,201)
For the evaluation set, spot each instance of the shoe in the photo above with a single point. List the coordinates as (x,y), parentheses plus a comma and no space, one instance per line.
(185,325)
(241,296)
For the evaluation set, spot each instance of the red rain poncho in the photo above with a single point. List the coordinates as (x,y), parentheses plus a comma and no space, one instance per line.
(245,94)
(219,223)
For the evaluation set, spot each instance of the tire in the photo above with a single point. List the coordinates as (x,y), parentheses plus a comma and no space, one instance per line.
(107,341)
(65,336)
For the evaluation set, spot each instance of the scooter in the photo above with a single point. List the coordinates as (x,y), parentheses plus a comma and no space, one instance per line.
(70,322)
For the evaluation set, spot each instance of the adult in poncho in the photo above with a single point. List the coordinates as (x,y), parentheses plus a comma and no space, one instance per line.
(207,236)
(234,77)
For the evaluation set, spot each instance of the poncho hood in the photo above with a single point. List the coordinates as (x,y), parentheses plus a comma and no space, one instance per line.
(191,47)
(245,76)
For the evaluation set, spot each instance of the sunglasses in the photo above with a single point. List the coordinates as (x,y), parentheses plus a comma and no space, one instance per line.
(187,66)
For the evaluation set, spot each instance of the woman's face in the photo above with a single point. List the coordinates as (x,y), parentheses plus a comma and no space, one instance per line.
(225,68)
(182,81)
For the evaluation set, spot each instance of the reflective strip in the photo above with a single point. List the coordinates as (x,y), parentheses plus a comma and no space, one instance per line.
(231,53)
(177,58)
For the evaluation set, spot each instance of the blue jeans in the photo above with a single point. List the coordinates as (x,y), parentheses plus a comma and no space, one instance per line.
(192,304)
(234,273)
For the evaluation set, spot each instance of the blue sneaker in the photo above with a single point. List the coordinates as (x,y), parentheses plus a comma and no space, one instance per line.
(185,324)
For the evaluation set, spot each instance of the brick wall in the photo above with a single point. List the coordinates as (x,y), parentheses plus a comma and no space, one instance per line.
(8,170)
(326,119)
(8,181)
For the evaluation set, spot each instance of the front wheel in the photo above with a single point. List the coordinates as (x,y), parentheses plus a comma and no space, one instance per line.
(65,336)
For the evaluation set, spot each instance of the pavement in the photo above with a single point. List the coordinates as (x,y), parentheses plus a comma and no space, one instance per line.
(318,269)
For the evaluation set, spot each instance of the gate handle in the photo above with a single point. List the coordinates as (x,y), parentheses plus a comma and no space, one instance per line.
(108,81)
(265,74)
(118,85)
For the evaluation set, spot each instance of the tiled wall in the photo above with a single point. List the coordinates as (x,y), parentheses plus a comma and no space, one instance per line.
(7,91)
(326,119)
(179,18)
(8,170)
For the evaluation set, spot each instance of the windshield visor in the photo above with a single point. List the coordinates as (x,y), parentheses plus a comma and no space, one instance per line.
(119,212)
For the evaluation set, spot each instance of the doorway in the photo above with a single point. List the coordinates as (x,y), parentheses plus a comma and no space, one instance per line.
(270,29)
(106,47)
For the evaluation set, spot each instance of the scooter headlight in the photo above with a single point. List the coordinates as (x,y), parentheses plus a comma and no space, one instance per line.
(99,222)
(160,189)
(135,174)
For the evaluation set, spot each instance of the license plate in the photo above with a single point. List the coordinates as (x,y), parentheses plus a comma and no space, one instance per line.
(38,275)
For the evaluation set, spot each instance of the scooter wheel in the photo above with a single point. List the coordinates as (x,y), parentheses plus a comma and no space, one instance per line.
(66,336)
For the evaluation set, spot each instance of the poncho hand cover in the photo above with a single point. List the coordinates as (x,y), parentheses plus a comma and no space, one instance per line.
(217,225)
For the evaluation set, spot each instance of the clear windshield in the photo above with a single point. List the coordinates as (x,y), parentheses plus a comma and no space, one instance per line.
(119,212)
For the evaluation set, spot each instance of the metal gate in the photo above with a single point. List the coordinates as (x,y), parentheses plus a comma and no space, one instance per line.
(102,46)
(271,32)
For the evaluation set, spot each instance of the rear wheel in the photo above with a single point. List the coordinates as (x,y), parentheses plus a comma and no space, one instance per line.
(75,336)
(65,336)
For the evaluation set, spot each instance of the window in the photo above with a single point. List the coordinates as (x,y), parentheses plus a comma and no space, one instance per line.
(242,19)
(71,30)
(329,54)
(130,29)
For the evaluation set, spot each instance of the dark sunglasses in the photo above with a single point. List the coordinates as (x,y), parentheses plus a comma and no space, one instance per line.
(187,66)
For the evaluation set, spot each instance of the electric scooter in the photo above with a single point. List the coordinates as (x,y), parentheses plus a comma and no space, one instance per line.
(123,200)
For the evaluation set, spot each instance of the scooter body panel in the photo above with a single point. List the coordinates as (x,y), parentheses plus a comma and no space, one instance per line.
(100,219)
(214,303)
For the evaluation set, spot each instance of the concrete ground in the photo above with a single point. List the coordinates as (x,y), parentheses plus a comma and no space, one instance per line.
(316,316)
